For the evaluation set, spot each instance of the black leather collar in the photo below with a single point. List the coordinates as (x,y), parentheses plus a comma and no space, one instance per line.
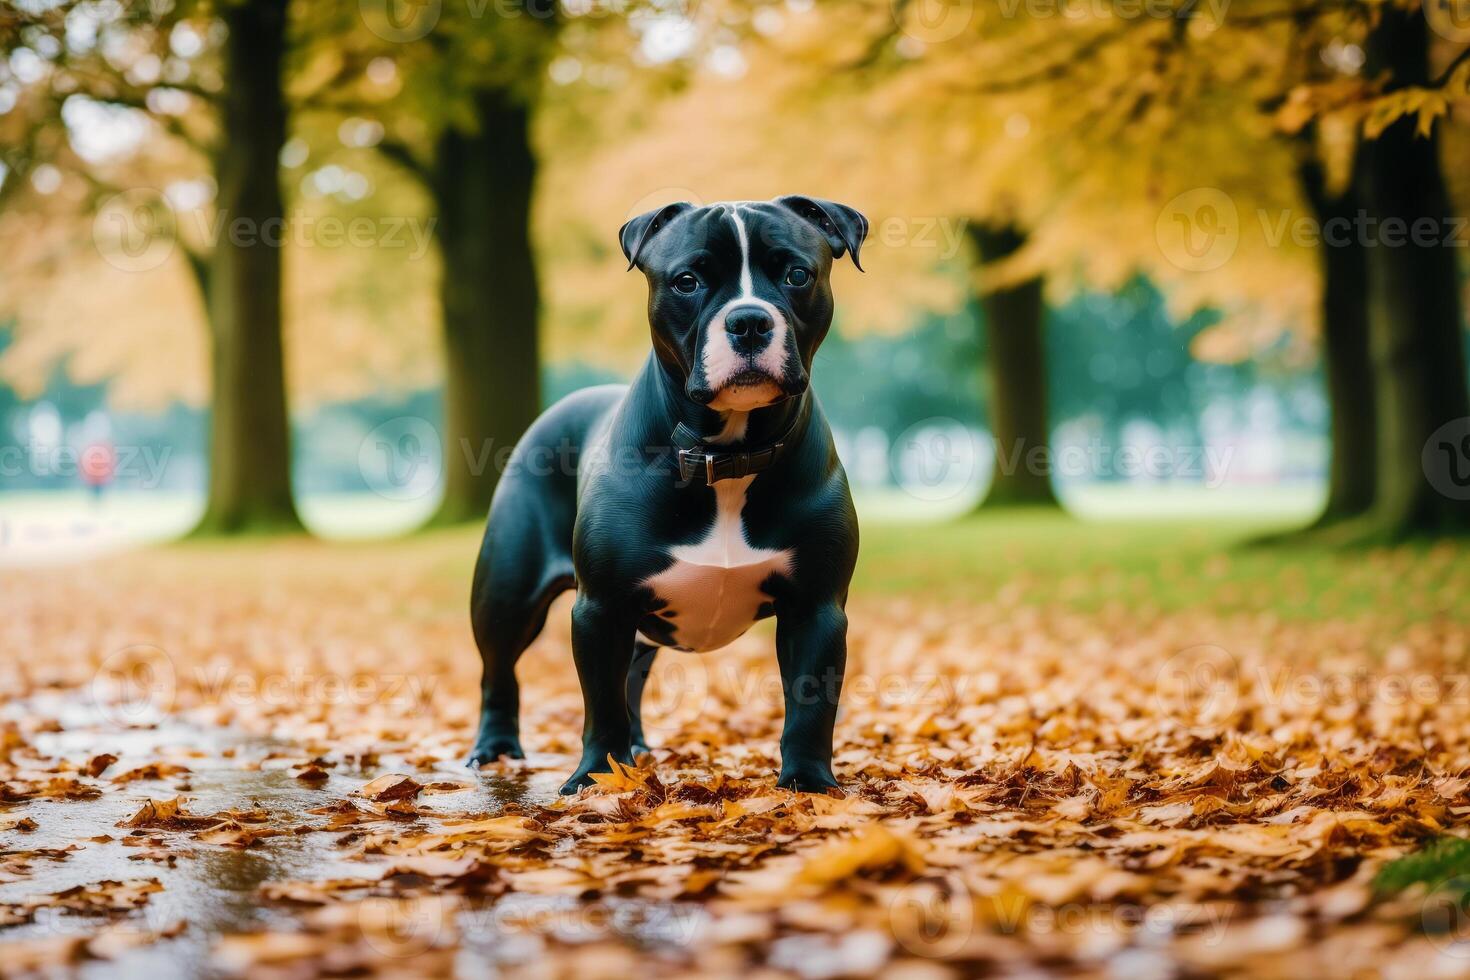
(700,462)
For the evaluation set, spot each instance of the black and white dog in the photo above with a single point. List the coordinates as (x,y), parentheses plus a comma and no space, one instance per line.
(699,499)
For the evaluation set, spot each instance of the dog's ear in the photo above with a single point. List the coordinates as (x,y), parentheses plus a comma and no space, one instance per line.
(638,232)
(845,227)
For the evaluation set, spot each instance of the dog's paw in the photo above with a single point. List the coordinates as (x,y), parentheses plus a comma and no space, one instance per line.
(594,761)
(493,748)
(809,779)
(576,784)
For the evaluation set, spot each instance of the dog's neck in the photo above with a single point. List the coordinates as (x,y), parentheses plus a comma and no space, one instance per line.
(736,431)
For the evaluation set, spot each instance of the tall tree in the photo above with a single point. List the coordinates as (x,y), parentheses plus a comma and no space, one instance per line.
(1016,370)
(250,438)
(1415,322)
(482,182)
(1346,363)
(460,124)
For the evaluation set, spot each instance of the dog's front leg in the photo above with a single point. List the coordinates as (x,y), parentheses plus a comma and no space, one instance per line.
(602,646)
(811,646)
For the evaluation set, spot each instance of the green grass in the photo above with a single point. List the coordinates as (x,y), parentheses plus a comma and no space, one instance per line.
(1052,559)
(1442,865)
(1136,550)
(1439,876)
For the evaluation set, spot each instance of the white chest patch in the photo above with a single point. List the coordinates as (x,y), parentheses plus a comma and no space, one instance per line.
(712,590)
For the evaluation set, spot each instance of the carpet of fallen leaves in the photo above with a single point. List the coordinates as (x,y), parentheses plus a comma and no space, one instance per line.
(247,761)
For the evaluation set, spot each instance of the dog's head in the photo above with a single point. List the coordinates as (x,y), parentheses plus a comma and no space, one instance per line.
(739,295)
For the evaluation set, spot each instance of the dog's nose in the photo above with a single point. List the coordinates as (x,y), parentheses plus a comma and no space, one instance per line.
(749,321)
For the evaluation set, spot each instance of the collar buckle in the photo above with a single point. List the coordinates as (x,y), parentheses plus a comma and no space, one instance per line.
(691,453)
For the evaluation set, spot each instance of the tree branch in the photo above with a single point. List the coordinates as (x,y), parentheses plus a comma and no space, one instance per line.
(1444,76)
(399,153)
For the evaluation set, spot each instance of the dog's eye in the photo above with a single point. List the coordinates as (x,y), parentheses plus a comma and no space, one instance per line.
(798,277)
(686,282)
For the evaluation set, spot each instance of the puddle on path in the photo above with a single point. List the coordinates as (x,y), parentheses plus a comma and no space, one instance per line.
(214,889)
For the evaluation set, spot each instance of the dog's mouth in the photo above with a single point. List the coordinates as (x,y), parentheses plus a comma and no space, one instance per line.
(751,378)
(750,389)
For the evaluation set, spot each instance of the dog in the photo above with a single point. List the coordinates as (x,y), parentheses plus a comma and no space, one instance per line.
(686,506)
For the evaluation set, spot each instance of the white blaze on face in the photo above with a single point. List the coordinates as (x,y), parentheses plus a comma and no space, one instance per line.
(721,362)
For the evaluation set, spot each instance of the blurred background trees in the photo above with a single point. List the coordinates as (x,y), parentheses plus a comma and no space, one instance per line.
(1390,311)
(209,84)
(460,125)
(1092,224)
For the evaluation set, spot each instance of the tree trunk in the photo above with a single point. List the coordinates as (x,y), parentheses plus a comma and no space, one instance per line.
(1346,363)
(1016,368)
(250,443)
(482,184)
(1415,320)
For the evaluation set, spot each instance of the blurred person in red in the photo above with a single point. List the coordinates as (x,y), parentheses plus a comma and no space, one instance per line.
(98,465)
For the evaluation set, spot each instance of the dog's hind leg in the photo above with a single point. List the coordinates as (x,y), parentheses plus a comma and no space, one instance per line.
(520,571)
(643,654)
